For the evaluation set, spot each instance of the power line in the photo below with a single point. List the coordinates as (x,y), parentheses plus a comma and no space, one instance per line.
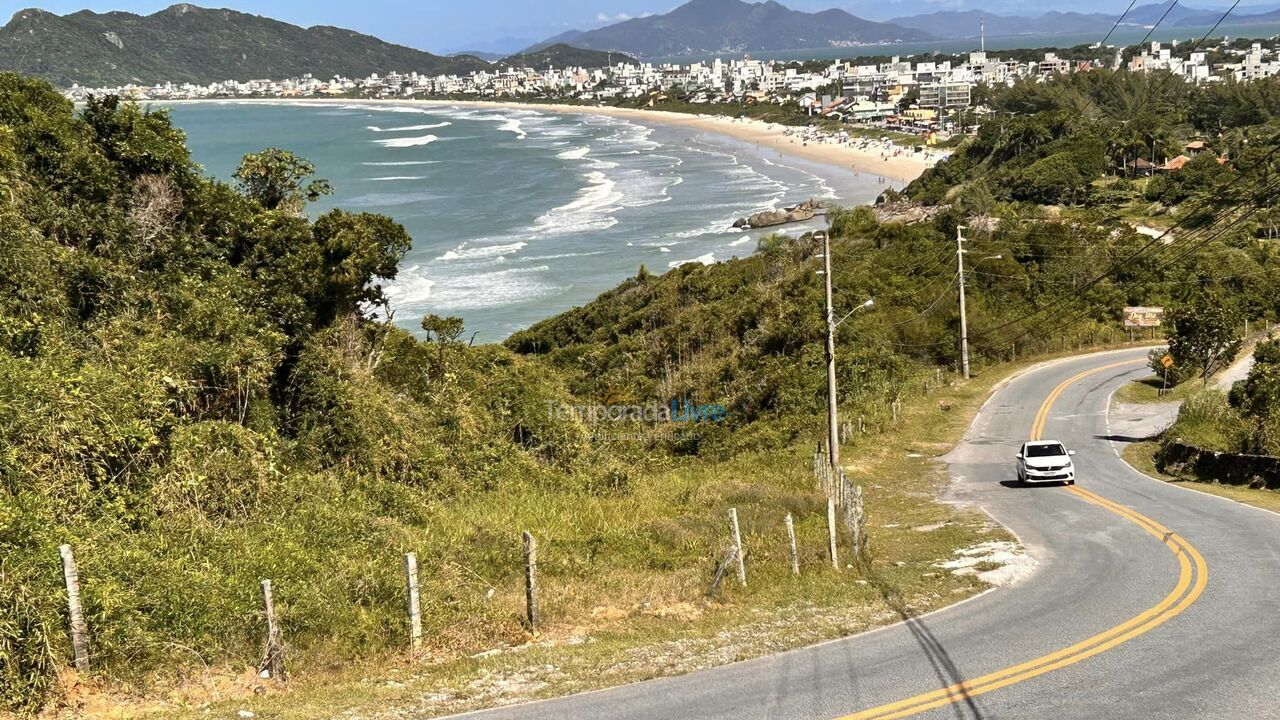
(1275,184)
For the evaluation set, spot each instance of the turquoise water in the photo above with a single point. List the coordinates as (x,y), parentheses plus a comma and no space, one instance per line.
(517,215)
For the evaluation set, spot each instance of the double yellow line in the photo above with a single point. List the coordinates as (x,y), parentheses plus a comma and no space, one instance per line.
(1193,575)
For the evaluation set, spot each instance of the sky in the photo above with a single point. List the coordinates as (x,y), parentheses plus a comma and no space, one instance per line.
(452,25)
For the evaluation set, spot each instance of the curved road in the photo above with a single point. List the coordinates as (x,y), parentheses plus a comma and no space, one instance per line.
(1151,601)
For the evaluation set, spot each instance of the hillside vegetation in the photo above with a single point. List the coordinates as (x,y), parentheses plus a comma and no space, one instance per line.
(185,43)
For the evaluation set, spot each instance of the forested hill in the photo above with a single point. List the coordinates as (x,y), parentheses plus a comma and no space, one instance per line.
(186,43)
(562,56)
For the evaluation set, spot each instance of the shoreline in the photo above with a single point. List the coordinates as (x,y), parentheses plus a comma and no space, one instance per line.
(847,159)
(902,168)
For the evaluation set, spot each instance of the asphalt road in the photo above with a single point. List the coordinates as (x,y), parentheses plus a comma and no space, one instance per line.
(1150,601)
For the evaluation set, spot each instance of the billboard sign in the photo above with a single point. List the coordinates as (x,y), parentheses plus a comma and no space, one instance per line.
(1143,317)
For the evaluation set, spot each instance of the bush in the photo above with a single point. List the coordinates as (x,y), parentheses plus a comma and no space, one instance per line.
(1207,421)
(27,664)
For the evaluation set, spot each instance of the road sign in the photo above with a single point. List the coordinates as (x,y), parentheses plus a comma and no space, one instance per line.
(1142,317)
(1167,361)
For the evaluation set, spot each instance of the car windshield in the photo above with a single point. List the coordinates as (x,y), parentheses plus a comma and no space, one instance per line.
(1050,450)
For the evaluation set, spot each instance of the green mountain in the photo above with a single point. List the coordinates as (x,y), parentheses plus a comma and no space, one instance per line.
(185,43)
(710,26)
(561,56)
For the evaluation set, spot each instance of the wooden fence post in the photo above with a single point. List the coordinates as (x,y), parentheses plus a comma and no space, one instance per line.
(791,540)
(737,542)
(857,527)
(273,663)
(415,608)
(531,581)
(79,631)
(831,532)
(721,569)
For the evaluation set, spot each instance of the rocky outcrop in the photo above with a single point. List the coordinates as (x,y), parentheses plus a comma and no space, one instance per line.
(905,211)
(769,218)
(1256,471)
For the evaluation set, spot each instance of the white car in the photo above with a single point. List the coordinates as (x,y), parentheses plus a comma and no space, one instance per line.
(1046,461)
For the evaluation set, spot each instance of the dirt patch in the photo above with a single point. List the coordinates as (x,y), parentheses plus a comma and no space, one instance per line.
(998,563)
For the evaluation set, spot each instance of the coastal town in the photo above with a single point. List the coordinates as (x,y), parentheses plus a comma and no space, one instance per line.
(921,90)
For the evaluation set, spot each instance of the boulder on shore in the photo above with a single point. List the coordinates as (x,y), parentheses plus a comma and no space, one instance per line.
(769,218)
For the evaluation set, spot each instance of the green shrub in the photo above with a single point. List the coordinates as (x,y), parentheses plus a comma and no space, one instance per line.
(27,629)
(1207,421)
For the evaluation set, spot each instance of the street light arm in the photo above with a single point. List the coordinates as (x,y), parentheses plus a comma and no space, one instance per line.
(869,303)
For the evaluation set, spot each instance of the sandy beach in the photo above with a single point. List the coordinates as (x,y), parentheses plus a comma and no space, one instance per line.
(874,157)
(854,155)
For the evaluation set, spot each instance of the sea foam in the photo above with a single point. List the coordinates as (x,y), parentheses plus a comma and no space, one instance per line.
(408,128)
(462,252)
(708,259)
(408,141)
(592,209)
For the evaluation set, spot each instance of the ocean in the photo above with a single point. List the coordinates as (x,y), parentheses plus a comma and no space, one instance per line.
(517,214)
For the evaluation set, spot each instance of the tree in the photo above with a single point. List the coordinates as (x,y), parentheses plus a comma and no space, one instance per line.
(277,179)
(1204,334)
(1052,180)
(445,329)
(1258,397)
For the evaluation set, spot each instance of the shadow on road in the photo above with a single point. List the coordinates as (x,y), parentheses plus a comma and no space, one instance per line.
(1124,438)
(1020,485)
(935,652)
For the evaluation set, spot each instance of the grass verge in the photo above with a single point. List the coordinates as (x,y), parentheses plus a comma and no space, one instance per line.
(1147,390)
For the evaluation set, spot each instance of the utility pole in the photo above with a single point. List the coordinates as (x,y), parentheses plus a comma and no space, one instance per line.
(833,435)
(964,322)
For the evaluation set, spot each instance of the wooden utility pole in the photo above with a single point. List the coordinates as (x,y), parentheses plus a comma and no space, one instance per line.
(833,436)
(79,631)
(964,323)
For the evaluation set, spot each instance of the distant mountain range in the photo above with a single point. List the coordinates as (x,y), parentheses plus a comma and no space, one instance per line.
(702,27)
(733,26)
(185,43)
(967,23)
(496,48)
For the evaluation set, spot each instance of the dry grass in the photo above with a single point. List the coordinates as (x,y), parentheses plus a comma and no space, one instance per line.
(642,611)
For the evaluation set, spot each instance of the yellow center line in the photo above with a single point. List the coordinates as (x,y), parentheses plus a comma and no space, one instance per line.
(1193,575)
